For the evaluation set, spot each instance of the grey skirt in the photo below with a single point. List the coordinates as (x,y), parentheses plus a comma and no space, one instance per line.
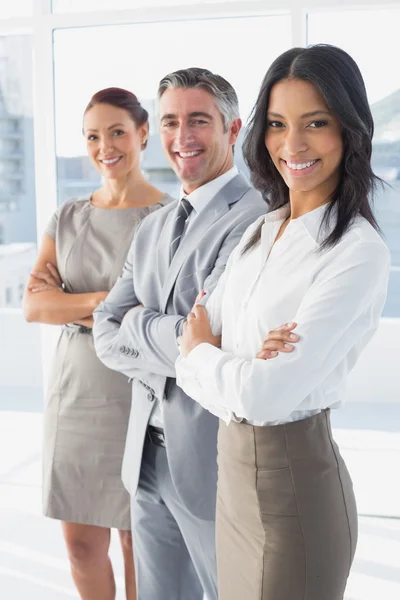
(286,512)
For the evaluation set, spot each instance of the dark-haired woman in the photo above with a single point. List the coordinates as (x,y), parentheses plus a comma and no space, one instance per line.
(286,513)
(86,417)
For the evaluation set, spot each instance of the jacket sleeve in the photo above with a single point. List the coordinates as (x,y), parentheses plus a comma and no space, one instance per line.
(151,336)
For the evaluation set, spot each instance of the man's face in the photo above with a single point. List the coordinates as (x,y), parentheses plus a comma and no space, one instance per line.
(194,138)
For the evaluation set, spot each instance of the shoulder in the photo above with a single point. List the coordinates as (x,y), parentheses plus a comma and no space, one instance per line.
(360,250)
(74,206)
(363,239)
(158,215)
(165,200)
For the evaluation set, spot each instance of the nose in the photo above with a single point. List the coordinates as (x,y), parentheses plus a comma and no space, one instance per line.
(295,141)
(106,144)
(184,135)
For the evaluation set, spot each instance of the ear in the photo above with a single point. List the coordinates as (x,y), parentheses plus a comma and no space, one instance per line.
(143,131)
(234,129)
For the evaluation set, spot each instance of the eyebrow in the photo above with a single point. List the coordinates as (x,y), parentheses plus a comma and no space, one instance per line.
(191,115)
(111,127)
(314,113)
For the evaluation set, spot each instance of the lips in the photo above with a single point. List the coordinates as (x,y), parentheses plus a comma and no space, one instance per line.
(301,166)
(109,162)
(189,154)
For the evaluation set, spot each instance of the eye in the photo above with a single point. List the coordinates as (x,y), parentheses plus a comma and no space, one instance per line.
(91,137)
(169,123)
(275,124)
(317,124)
(118,132)
(199,122)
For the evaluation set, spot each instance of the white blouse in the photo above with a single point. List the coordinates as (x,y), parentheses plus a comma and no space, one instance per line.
(335,296)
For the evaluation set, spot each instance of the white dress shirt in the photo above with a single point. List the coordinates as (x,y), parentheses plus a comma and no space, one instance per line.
(336,297)
(202,196)
(199,199)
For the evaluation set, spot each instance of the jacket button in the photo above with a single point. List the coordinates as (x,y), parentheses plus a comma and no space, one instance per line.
(122,349)
(150,397)
(135,353)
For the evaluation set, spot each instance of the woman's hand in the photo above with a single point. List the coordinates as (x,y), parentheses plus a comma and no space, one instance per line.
(279,340)
(197,331)
(48,281)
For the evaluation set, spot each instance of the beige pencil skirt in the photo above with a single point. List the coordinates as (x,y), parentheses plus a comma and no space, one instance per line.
(286,512)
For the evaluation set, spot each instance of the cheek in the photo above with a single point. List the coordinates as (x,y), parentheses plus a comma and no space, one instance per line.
(167,140)
(332,145)
(272,146)
(92,152)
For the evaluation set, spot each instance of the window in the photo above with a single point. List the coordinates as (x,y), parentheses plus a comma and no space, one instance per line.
(9,296)
(79,67)
(20,347)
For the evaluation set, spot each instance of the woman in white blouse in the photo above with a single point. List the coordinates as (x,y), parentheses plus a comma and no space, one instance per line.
(286,513)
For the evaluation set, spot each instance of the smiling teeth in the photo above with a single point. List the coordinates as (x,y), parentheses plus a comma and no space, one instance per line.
(110,161)
(300,166)
(189,154)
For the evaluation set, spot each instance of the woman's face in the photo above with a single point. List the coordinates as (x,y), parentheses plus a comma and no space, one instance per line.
(303,138)
(113,140)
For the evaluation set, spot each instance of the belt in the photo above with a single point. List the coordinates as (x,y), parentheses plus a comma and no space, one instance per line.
(155,435)
(78,328)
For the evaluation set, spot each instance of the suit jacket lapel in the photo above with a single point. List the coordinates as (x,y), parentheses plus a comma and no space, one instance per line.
(229,194)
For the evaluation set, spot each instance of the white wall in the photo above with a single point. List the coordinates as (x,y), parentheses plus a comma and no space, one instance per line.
(376,377)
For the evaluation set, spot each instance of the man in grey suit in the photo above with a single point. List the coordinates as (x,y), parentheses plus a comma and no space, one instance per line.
(169,464)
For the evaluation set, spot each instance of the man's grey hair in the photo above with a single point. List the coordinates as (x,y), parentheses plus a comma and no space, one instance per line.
(224,94)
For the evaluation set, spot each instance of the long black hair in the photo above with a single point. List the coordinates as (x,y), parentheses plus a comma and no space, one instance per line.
(337,77)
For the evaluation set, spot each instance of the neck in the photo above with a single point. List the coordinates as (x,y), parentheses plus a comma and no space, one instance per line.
(190,186)
(123,192)
(302,203)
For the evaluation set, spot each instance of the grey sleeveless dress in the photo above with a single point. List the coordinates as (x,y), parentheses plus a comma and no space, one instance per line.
(88,405)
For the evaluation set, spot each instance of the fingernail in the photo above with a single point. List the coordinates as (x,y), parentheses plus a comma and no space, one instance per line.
(293,336)
(288,346)
(274,353)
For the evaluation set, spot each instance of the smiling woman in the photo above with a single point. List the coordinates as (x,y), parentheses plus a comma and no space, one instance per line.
(82,254)
(317,263)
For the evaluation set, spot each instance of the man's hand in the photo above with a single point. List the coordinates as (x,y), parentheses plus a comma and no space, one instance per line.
(47,280)
(279,340)
(196,331)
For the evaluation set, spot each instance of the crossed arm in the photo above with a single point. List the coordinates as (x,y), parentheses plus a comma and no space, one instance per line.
(45,300)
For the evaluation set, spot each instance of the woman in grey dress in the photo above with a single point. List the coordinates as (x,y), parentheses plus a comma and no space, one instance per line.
(86,417)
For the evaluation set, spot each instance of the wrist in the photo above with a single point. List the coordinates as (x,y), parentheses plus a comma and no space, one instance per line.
(96,299)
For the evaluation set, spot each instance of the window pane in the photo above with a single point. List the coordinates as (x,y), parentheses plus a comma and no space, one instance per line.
(65,6)
(79,67)
(17,8)
(376,61)
(20,372)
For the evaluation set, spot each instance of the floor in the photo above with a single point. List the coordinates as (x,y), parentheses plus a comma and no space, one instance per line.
(33,561)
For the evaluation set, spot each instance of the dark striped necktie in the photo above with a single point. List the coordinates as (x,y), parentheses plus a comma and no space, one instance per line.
(182,214)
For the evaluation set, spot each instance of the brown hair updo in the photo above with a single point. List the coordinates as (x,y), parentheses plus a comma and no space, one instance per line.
(121,98)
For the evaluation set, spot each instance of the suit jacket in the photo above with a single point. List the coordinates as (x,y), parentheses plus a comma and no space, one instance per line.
(141,341)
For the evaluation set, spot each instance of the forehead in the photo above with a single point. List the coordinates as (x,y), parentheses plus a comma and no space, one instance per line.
(295,96)
(181,102)
(103,115)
